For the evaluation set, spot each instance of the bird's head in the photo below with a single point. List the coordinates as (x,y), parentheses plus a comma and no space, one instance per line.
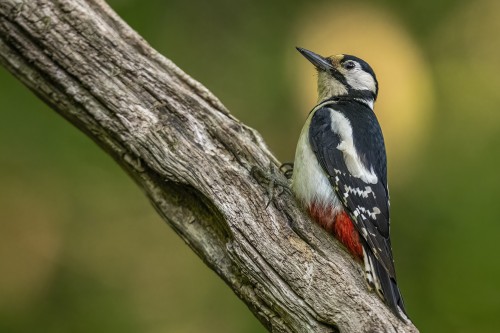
(343,75)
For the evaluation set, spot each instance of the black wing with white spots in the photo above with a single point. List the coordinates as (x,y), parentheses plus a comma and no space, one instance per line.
(366,203)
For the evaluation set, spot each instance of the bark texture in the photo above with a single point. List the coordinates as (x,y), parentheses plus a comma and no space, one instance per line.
(193,160)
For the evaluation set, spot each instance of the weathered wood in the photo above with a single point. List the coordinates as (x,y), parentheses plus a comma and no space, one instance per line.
(193,160)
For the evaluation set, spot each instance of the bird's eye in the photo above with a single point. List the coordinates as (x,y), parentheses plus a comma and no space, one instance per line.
(349,65)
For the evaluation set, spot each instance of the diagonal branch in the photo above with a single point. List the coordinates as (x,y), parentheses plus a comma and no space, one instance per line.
(193,160)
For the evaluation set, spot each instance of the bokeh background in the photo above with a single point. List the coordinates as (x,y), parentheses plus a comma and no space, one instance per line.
(81,250)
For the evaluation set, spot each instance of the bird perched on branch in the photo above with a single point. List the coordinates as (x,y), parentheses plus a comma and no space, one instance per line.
(340,170)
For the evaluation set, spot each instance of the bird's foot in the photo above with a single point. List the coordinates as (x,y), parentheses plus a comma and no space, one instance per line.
(287,169)
(274,181)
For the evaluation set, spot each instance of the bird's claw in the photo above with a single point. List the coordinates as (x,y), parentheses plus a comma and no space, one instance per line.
(272,180)
(287,169)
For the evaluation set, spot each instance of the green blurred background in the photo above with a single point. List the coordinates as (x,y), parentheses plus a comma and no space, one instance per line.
(81,250)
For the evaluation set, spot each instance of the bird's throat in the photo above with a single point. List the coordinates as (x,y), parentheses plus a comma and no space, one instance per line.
(329,87)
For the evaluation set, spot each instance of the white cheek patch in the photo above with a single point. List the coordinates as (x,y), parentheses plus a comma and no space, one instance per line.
(361,80)
(342,126)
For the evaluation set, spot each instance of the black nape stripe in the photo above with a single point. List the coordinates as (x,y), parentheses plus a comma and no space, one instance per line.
(362,94)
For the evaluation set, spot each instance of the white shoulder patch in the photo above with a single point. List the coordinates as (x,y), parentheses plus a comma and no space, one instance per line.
(368,102)
(342,126)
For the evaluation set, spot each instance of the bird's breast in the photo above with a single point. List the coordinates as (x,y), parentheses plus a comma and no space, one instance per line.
(313,189)
(309,181)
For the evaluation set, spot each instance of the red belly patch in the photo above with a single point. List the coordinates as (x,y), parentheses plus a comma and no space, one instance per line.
(340,225)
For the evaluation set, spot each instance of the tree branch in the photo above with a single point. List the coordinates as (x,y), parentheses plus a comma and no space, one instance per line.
(193,160)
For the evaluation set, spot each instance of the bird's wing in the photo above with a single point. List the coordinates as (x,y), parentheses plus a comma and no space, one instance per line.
(365,200)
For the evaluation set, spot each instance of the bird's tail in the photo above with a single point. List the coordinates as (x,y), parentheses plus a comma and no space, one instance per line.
(379,279)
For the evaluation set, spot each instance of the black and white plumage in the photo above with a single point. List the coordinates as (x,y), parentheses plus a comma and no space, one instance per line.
(340,172)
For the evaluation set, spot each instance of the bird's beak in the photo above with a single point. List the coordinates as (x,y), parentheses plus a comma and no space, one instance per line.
(317,60)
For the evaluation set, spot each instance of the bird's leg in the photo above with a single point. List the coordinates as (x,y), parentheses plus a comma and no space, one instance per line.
(273,181)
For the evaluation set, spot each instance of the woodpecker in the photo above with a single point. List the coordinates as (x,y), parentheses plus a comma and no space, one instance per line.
(340,169)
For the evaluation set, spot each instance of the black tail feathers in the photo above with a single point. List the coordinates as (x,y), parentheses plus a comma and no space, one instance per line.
(389,289)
